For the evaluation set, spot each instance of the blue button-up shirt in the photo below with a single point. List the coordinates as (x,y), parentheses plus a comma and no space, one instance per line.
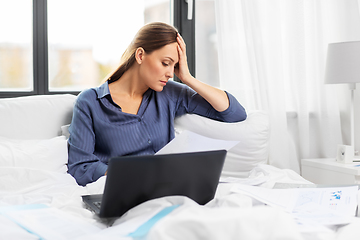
(100,130)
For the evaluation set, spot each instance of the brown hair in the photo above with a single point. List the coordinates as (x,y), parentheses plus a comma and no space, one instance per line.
(150,37)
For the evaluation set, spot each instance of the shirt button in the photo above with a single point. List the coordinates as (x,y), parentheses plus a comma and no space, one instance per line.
(149,141)
(139,119)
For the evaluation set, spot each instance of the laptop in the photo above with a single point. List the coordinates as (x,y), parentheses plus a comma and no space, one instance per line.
(132,180)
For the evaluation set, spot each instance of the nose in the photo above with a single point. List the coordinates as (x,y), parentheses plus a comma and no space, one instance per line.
(170,73)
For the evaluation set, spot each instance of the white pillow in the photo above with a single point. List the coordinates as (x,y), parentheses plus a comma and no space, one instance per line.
(65,131)
(35,117)
(253,134)
(48,154)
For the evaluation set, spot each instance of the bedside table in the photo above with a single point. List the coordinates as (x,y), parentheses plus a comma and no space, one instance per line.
(328,171)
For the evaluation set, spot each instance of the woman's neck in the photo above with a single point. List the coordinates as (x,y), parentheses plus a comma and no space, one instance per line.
(128,91)
(129,84)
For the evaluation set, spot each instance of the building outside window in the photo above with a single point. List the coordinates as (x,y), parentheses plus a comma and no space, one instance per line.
(87,45)
(16,45)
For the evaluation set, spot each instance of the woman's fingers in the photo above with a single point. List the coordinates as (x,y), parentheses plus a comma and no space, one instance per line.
(181,48)
(181,42)
(182,70)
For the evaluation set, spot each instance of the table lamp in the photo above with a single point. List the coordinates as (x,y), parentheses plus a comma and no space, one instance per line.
(343,66)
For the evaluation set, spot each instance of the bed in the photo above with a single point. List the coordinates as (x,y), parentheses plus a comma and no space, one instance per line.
(40,200)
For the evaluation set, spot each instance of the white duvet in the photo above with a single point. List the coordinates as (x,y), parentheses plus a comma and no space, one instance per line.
(228,216)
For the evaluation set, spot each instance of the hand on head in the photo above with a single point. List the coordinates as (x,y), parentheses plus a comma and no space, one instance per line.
(182,69)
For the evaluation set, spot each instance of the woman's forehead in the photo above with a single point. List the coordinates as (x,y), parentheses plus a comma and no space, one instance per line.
(169,51)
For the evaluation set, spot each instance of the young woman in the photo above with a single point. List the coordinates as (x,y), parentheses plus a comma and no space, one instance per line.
(133,112)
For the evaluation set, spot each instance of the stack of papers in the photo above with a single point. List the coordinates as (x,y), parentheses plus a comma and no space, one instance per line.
(324,206)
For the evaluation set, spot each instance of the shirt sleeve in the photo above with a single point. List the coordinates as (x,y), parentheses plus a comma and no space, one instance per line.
(83,165)
(190,101)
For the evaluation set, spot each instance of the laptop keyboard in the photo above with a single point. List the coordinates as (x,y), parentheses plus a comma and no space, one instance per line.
(97,204)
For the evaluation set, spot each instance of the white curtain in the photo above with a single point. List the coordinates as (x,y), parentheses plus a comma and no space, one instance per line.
(272,56)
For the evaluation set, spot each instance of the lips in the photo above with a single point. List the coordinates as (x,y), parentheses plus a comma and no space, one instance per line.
(163,82)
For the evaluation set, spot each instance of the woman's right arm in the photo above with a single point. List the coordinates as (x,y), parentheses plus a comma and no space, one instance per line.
(83,165)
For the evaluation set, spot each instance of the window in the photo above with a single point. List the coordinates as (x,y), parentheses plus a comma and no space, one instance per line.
(16,46)
(66,46)
(87,45)
(207,69)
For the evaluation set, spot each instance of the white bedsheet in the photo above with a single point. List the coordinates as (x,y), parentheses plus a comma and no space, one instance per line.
(228,216)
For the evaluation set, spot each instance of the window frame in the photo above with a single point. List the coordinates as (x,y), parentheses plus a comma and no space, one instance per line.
(40,46)
(186,28)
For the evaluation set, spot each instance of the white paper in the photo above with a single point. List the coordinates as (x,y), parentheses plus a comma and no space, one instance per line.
(339,200)
(188,141)
(281,198)
(326,206)
(247,181)
(49,223)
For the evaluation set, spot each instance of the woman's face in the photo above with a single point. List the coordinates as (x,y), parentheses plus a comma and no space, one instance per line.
(157,67)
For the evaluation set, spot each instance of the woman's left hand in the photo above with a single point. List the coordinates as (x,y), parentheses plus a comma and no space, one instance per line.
(182,70)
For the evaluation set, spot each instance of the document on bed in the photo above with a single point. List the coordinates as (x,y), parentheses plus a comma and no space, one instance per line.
(47,222)
(326,206)
(188,141)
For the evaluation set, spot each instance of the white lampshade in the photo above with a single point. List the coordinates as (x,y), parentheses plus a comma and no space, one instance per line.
(343,63)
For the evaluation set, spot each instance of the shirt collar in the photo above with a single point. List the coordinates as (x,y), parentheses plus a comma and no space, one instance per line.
(103,90)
